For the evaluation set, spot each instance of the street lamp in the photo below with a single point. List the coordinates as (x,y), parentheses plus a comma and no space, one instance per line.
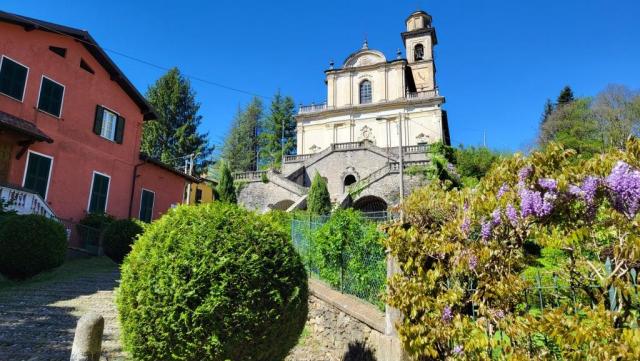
(400,118)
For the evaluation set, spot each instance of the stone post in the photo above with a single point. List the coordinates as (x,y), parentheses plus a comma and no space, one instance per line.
(87,342)
(392,316)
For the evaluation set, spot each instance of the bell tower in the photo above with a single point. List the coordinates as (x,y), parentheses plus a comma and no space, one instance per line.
(419,40)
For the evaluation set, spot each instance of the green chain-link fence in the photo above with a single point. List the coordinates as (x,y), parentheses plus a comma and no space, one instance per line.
(359,271)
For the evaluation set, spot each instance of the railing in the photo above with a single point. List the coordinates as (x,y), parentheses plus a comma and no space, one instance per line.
(315,108)
(393,167)
(349,145)
(23,201)
(255,175)
(423,94)
(312,108)
(296,158)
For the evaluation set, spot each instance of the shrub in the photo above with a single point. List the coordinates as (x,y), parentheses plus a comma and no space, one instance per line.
(226,189)
(347,252)
(318,201)
(213,282)
(466,290)
(30,244)
(99,221)
(118,238)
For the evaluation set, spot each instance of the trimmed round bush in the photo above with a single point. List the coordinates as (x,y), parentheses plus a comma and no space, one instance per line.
(30,244)
(213,282)
(118,238)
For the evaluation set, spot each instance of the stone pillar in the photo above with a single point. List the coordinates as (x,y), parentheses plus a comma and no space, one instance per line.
(392,316)
(87,342)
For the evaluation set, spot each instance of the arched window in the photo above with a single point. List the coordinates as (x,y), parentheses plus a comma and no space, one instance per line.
(418,52)
(365,92)
(349,180)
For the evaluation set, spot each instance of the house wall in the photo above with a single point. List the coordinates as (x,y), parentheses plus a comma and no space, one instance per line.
(168,188)
(76,150)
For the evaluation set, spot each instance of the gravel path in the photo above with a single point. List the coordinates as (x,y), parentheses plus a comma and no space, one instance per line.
(37,321)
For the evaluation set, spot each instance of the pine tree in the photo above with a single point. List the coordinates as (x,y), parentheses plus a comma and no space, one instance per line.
(240,148)
(548,109)
(273,140)
(226,190)
(318,201)
(565,97)
(175,135)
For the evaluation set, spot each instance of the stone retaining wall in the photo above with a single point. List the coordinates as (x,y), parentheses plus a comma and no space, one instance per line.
(343,328)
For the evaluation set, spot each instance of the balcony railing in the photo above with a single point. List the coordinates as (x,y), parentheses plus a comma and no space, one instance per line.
(296,158)
(249,176)
(316,108)
(23,201)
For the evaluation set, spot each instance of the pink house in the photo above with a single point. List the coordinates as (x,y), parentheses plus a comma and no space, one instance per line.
(70,128)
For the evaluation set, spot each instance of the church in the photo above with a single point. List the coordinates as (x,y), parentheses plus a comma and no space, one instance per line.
(379,116)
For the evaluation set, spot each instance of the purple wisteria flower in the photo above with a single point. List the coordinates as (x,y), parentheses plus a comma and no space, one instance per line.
(548,184)
(524,173)
(530,202)
(499,314)
(503,189)
(458,350)
(512,215)
(624,189)
(466,225)
(485,231)
(548,201)
(589,188)
(575,191)
(473,262)
(447,315)
(495,218)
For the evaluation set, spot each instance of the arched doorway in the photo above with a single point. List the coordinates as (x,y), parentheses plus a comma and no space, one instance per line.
(370,204)
(348,180)
(283,205)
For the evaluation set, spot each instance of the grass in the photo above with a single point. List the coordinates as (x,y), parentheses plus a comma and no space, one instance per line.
(68,270)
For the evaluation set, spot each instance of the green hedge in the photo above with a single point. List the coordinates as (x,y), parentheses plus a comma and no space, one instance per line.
(30,244)
(213,282)
(118,238)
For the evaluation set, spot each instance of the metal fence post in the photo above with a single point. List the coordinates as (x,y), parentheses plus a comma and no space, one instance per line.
(87,342)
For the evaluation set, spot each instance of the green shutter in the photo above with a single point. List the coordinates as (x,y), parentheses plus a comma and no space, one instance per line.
(37,176)
(51,95)
(97,123)
(13,77)
(146,206)
(99,193)
(119,130)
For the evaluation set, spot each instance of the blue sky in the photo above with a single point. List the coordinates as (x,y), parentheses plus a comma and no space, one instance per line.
(497,61)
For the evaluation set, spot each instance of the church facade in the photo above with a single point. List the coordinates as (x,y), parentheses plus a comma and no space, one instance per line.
(377,111)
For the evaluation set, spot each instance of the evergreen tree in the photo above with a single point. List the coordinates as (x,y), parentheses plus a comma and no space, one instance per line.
(240,148)
(273,140)
(175,135)
(548,109)
(565,97)
(318,201)
(226,190)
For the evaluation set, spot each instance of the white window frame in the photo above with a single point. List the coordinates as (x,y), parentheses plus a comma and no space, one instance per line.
(153,204)
(26,168)
(115,125)
(40,93)
(93,178)
(26,79)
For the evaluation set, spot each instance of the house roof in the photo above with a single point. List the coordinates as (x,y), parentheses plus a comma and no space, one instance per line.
(96,51)
(144,157)
(22,126)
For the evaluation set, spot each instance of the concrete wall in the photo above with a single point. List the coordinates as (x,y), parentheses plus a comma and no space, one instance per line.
(262,197)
